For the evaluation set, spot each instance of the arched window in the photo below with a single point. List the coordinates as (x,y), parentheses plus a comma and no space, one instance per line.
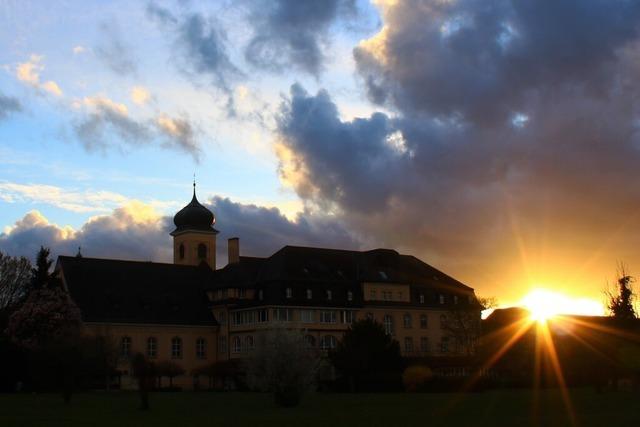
(236,345)
(125,346)
(202,250)
(152,347)
(201,348)
(423,321)
(176,348)
(310,341)
(387,321)
(181,251)
(328,342)
(248,343)
(406,319)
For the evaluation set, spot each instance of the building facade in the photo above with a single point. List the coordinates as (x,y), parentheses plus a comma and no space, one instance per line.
(195,315)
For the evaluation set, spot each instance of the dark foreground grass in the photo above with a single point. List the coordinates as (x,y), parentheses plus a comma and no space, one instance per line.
(492,408)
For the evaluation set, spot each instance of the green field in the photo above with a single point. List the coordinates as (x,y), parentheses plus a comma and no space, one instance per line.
(492,408)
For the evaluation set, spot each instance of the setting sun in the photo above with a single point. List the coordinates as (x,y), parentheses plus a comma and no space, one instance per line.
(545,304)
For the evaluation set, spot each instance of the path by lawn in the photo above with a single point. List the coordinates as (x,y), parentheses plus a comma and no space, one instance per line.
(493,408)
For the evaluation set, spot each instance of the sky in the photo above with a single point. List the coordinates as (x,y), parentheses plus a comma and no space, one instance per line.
(498,141)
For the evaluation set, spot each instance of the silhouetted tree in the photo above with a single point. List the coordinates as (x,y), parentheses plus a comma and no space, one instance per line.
(42,270)
(621,302)
(170,370)
(145,373)
(282,364)
(15,277)
(463,323)
(367,356)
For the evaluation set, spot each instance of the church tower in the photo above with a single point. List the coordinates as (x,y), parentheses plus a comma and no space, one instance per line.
(194,239)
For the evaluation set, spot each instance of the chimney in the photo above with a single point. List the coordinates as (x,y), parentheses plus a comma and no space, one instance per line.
(234,250)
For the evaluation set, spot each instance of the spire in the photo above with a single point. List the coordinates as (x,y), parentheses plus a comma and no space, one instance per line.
(79,254)
(194,185)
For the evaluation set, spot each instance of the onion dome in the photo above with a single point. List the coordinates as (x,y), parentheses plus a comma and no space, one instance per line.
(194,216)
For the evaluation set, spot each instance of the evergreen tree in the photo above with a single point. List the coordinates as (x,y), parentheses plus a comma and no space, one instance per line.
(41,274)
(621,303)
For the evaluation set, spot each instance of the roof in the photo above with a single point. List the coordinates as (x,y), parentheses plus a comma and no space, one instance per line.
(194,217)
(118,291)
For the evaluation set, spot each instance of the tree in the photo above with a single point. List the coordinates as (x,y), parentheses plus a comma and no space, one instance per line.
(282,364)
(367,356)
(15,277)
(145,372)
(463,321)
(620,303)
(168,369)
(42,271)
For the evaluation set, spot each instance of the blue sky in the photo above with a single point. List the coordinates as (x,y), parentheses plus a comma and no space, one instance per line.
(495,140)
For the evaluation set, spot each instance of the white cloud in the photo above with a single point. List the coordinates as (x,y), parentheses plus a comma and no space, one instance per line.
(77,50)
(140,95)
(29,73)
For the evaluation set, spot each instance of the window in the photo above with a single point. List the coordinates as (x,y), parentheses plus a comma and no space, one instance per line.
(329,295)
(260,294)
(202,251)
(307,316)
(222,344)
(372,294)
(181,251)
(349,296)
(201,348)
(406,320)
(421,298)
(242,293)
(236,345)
(424,344)
(309,294)
(347,316)
(282,315)
(408,345)
(388,324)
(328,316)
(443,321)
(263,315)
(423,321)
(152,347)
(387,295)
(176,348)
(243,318)
(248,343)
(328,342)
(370,316)
(399,293)
(444,345)
(222,318)
(289,292)
(383,275)
(455,299)
(125,346)
(310,341)
(441,299)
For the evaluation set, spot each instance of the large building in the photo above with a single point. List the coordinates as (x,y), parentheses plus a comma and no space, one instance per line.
(193,314)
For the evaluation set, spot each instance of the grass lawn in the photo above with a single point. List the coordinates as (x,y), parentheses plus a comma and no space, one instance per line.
(492,408)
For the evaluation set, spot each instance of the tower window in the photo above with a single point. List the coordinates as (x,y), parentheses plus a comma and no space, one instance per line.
(181,251)
(202,250)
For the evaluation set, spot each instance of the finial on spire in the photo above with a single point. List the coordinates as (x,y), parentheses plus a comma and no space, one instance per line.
(79,254)
(194,184)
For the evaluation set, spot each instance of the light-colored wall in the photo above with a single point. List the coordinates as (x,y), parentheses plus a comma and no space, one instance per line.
(164,334)
(191,240)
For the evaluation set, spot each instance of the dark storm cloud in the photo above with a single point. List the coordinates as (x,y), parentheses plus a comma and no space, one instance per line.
(519,129)
(483,60)
(293,32)
(201,43)
(114,52)
(8,105)
(124,234)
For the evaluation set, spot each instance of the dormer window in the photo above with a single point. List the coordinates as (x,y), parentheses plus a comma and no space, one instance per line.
(441,299)
(329,295)
(455,299)
(383,275)
(421,298)
(309,294)
(349,296)
(289,292)
(260,294)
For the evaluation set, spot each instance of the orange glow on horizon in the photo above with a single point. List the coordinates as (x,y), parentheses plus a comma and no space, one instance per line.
(544,304)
